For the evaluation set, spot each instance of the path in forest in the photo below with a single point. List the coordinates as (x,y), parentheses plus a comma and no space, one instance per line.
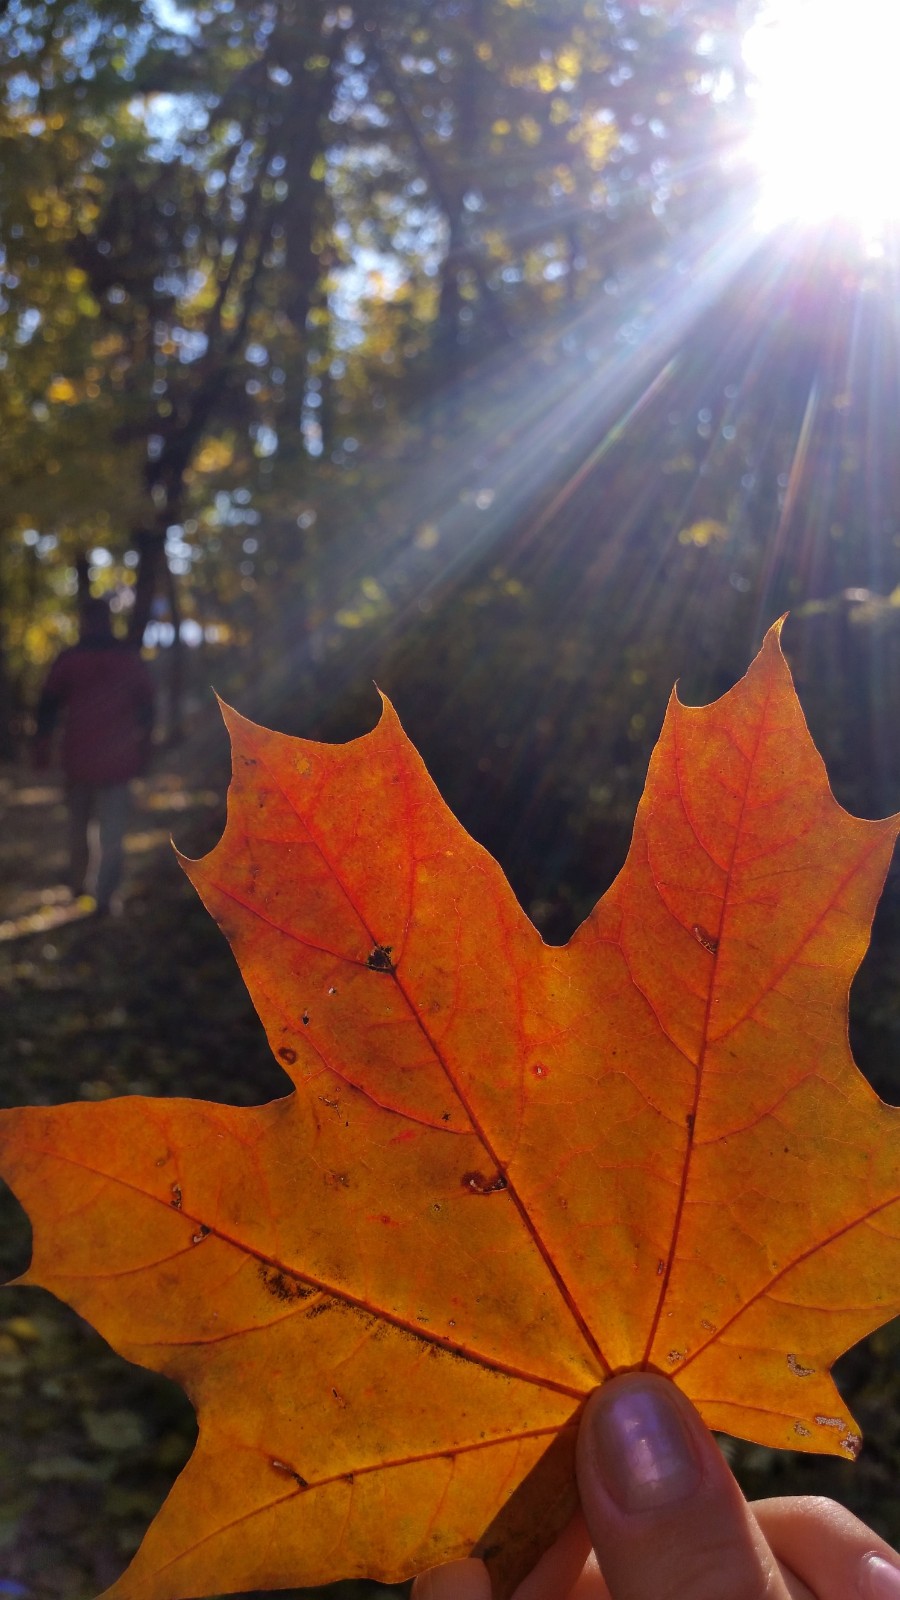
(147,1002)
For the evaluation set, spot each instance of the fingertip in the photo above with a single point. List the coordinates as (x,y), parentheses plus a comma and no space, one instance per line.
(638,1447)
(455,1580)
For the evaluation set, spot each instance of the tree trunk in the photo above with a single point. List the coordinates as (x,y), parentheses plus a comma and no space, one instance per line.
(174,659)
(150,545)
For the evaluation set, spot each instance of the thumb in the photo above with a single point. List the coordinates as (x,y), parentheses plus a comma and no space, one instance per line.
(666,1517)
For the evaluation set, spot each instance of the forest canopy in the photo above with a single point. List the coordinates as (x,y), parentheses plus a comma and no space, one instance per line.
(332,333)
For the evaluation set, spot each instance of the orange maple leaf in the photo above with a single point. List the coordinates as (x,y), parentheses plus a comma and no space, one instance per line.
(508,1170)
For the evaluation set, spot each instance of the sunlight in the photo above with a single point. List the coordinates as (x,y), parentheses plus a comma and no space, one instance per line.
(828,111)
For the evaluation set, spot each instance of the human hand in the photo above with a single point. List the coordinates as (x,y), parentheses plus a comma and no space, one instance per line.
(663,1519)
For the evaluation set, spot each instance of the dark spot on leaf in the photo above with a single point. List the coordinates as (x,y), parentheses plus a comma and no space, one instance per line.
(282,1286)
(287,1054)
(176,1196)
(320,1307)
(708,941)
(379,959)
(332,990)
(336,1179)
(200,1235)
(689,1119)
(282,1466)
(305,1018)
(660,1268)
(445,1116)
(339,1398)
(477,1183)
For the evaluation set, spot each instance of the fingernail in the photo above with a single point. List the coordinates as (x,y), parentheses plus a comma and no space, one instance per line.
(880,1579)
(643,1450)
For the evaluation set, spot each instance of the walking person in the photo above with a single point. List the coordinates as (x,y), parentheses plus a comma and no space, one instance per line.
(103,693)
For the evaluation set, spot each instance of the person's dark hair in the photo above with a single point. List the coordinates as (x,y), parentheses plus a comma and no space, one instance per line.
(95,617)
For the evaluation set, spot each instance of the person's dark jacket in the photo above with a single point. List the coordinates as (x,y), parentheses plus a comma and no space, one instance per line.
(104,692)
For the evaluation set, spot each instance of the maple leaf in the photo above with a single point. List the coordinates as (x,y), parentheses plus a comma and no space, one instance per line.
(507,1171)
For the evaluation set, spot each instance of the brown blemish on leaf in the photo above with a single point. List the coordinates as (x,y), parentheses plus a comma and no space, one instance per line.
(282,1286)
(708,940)
(319,1309)
(798,1370)
(830,1422)
(477,1183)
(379,958)
(287,1054)
(282,1466)
(201,1234)
(801,1431)
(176,1196)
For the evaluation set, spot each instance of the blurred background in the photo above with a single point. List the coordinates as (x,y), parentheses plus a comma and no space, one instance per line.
(523,356)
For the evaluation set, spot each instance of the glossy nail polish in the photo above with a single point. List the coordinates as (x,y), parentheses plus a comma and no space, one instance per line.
(880,1579)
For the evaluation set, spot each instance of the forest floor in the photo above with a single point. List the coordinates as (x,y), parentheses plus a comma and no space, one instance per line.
(147,1002)
(150,1002)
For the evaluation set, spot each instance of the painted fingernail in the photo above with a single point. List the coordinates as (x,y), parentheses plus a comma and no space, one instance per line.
(880,1579)
(643,1449)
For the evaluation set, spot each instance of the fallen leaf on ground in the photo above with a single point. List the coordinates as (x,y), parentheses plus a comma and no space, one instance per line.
(508,1170)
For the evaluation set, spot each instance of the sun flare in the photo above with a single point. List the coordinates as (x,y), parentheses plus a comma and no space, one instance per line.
(828,111)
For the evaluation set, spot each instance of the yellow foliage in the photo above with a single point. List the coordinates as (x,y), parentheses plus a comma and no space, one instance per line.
(500,127)
(61,392)
(703,533)
(528,130)
(597,140)
(215,456)
(568,59)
